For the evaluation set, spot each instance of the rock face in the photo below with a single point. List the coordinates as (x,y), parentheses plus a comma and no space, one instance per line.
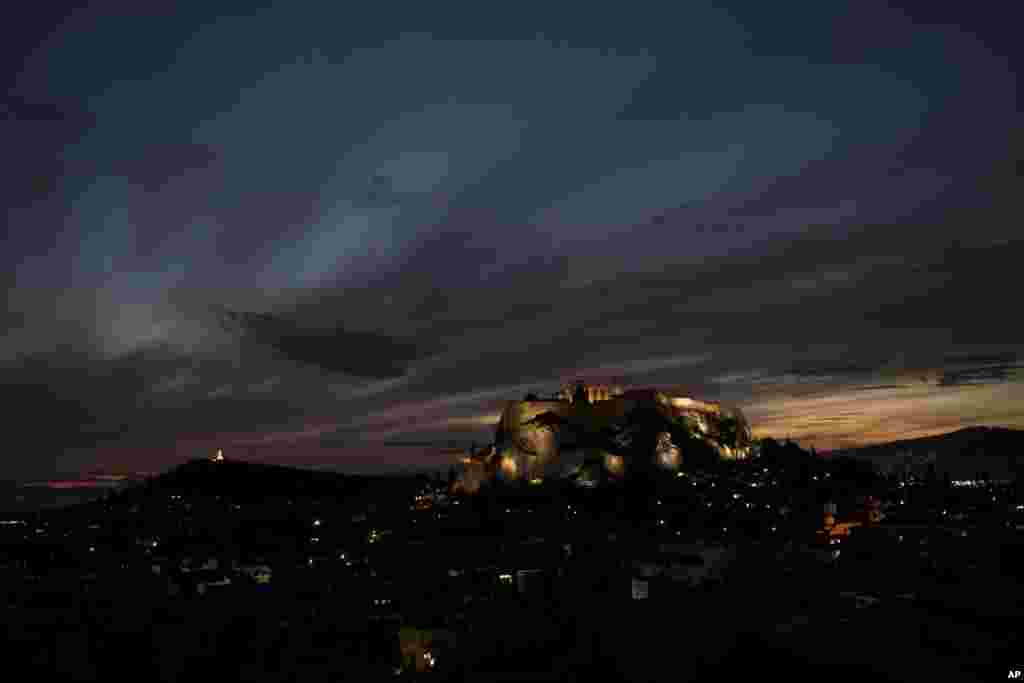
(613,430)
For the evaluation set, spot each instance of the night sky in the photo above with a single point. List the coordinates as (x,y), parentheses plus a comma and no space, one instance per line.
(342,234)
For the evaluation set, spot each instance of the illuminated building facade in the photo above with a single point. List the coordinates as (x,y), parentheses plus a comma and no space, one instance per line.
(834,530)
(593,393)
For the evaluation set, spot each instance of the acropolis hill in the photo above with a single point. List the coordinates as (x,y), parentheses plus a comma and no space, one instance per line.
(592,432)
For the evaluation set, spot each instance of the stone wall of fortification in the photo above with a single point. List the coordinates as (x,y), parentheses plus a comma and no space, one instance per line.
(527,450)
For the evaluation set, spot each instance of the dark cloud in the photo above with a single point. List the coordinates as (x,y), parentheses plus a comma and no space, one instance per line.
(957,291)
(156,164)
(980,359)
(973,369)
(806,369)
(20,109)
(335,349)
(33,132)
(67,400)
(976,376)
(75,398)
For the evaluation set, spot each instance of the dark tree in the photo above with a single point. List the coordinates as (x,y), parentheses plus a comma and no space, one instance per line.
(500,435)
(729,431)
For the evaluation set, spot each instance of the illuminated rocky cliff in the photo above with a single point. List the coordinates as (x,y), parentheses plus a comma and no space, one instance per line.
(594,432)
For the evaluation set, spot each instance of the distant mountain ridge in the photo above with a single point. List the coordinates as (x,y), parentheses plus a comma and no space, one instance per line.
(997,451)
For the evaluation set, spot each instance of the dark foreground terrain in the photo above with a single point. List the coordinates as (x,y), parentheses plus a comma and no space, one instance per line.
(196,576)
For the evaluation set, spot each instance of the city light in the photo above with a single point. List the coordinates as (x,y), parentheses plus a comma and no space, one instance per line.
(684,558)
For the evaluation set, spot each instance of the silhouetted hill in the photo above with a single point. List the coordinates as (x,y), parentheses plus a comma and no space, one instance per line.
(203,476)
(256,482)
(997,451)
